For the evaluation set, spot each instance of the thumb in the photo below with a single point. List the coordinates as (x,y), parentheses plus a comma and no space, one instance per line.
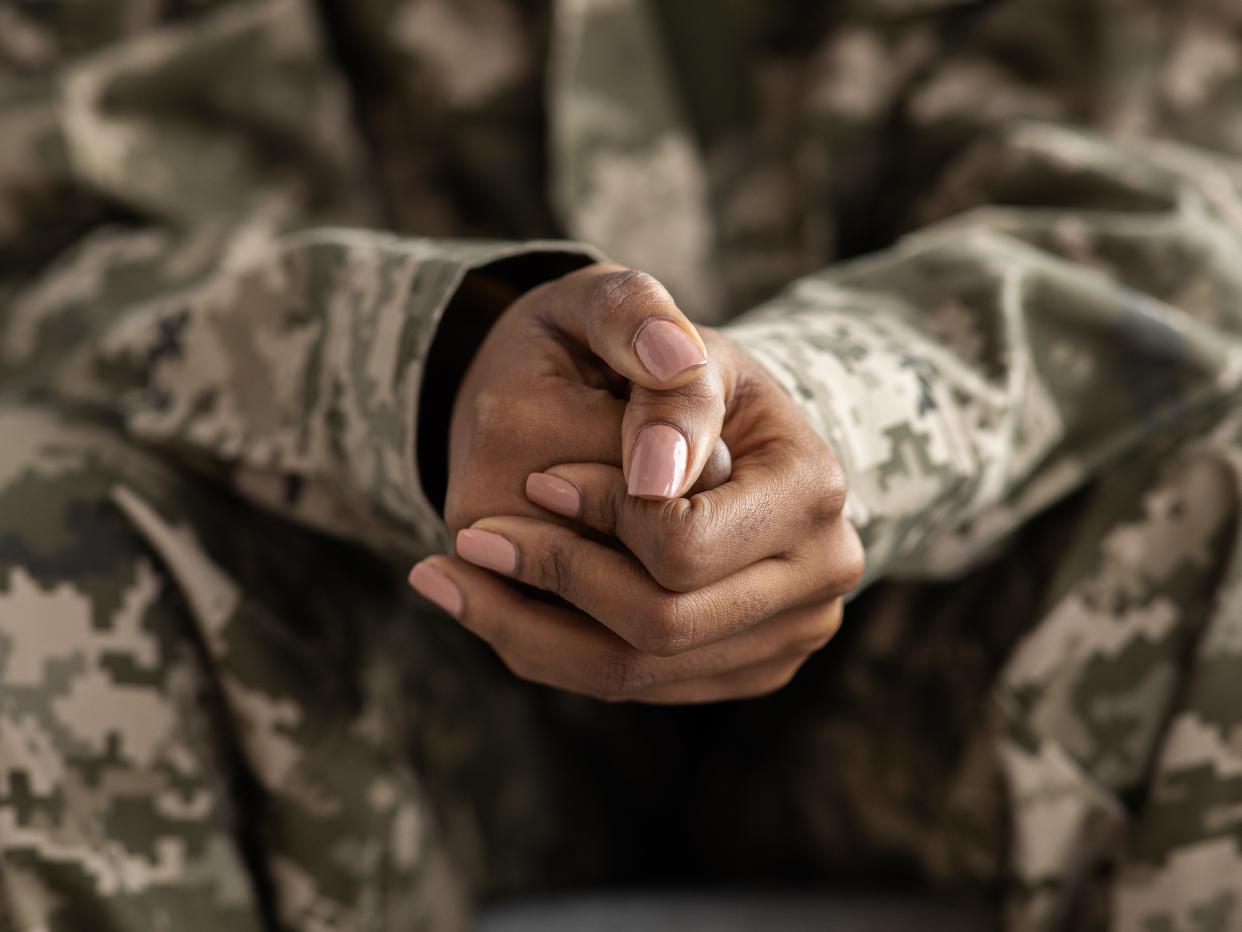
(677,403)
(629,320)
(668,437)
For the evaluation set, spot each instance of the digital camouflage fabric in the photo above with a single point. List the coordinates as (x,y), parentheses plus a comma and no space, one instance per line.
(992,247)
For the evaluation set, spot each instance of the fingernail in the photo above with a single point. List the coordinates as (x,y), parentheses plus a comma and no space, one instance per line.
(667,350)
(553,493)
(435,587)
(483,548)
(658,464)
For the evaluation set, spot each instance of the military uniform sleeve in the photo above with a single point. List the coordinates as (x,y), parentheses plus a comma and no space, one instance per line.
(300,376)
(983,368)
(295,375)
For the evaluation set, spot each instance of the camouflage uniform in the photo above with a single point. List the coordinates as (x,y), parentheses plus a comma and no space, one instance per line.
(219,707)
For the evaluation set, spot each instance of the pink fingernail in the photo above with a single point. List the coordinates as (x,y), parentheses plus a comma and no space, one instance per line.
(667,350)
(435,587)
(483,548)
(658,464)
(553,493)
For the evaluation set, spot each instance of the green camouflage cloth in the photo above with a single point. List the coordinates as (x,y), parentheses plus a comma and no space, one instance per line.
(993,248)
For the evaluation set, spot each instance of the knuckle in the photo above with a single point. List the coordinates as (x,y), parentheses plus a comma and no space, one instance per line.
(604,508)
(693,407)
(836,478)
(836,484)
(851,560)
(555,568)
(831,487)
(616,295)
(676,552)
(679,573)
(618,677)
(662,631)
(704,393)
(611,511)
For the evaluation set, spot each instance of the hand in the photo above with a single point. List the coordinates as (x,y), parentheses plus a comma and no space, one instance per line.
(575,370)
(726,592)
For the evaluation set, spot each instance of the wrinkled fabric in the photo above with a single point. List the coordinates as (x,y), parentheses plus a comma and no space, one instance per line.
(990,247)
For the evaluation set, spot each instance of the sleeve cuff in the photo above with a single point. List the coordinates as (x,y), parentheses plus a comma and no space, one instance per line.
(298,379)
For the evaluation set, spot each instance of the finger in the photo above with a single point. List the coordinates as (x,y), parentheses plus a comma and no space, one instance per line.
(677,403)
(543,643)
(761,679)
(717,469)
(667,437)
(764,511)
(614,588)
(629,320)
(819,624)
(559,647)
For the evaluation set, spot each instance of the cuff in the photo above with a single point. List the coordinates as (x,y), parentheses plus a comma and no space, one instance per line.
(298,379)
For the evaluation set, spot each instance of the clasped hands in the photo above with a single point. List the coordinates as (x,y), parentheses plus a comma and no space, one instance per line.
(585,461)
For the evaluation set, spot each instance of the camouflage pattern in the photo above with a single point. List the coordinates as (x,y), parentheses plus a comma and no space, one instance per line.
(991,247)
(186,745)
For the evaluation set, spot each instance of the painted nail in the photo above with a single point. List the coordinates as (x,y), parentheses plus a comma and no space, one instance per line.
(483,548)
(435,587)
(553,493)
(658,464)
(667,350)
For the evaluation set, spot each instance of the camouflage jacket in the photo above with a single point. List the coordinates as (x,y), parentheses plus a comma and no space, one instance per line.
(1056,187)
(235,226)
